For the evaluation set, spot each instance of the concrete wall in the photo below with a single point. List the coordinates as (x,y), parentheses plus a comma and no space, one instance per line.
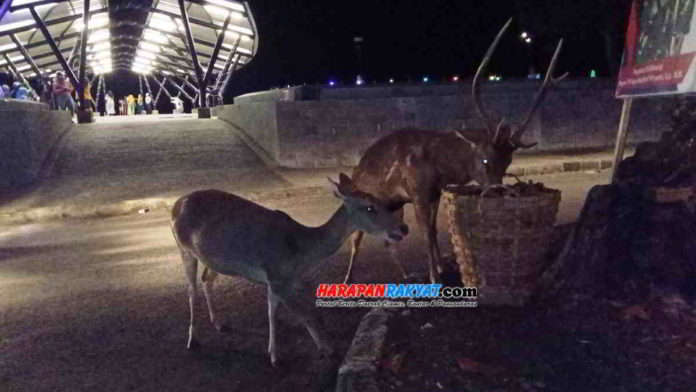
(257,120)
(28,131)
(314,127)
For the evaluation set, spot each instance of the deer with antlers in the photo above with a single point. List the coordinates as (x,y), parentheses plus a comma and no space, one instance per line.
(412,166)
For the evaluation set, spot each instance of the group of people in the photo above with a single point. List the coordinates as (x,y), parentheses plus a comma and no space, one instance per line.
(56,93)
(17,92)
(130,105)
(60,94)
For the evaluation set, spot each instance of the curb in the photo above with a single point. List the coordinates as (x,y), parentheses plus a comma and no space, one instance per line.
(560,167)
(41,214)
(358,369)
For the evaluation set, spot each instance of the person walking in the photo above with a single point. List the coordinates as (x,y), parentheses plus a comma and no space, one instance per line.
(178,105)
(109,103)
(61,92)
(47,92)
(148,103)
(88,96)
(139,105)
(19,91)
(131,104)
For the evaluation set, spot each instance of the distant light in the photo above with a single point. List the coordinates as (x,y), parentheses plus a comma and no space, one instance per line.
(528,40)
(332,83)
(455,78)
(498,78)
(593,73)
(391,80)
(425,79)
(491,78)
(524,35)
(359,80)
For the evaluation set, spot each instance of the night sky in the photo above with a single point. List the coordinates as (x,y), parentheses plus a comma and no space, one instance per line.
(311,41)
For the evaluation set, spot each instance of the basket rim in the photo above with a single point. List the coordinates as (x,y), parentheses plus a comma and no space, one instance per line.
(545,193)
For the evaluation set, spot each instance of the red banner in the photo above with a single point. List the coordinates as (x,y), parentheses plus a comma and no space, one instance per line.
(660,48)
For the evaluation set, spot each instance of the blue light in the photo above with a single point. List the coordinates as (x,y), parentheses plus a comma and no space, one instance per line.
(425,79)
(332,83)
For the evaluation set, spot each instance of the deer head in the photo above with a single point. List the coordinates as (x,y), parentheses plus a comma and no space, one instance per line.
(367,213)
(493,153)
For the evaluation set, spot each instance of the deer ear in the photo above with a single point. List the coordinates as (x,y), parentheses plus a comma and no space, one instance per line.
(346,184)
(344,187)
(466,139)
(335,188)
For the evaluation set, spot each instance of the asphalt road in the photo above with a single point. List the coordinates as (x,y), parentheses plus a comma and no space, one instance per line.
(102,305)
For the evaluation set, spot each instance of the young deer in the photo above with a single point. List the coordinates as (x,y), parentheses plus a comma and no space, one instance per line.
(412,166)
(233,236)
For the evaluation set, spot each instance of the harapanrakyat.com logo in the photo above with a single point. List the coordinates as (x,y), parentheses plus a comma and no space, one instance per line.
(395,295)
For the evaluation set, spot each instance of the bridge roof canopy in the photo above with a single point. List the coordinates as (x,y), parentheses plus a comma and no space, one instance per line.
(149,36)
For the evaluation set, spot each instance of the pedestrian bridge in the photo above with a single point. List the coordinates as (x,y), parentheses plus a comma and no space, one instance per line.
(120,157)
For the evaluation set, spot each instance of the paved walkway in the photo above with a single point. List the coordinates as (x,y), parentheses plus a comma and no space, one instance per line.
(114,168)
(106,163)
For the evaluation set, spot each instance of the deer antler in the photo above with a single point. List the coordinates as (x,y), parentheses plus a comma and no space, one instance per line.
(490,126)
(549,80)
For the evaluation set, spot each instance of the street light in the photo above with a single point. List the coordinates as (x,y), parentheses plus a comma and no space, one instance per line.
(524,35)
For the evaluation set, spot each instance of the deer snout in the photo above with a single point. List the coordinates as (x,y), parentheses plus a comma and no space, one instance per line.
(398,234)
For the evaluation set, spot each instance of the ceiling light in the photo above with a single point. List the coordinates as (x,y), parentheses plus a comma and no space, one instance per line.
(94,22)
(215,11)
(98,35)
(227,4)
(7,47)
(155,36)
(146,54)
(101,46)
(161,22)
(239,29)
(16,25)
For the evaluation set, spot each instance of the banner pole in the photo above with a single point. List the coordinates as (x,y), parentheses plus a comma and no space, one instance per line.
(621,136)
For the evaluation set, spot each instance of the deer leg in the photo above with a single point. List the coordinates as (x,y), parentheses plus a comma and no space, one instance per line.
(208,279)
(289,299)
(273,301)
(422,209)
(191,268)
(392,248)
(434,207)
(356,239)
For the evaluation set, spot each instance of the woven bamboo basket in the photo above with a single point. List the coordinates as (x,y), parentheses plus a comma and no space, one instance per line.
(500,242)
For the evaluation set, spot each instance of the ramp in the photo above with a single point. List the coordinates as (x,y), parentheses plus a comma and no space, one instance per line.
(112,162)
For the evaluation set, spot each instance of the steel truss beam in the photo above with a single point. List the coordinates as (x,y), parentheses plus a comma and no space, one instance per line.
(47,35)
